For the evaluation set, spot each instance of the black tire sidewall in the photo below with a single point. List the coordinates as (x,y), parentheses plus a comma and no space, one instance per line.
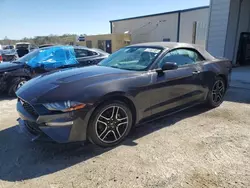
(91,133)
(210,101)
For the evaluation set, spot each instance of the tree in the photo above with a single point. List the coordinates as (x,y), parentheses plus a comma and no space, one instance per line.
(50,39)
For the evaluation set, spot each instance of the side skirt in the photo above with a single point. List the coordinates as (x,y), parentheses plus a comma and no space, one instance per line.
(168,113)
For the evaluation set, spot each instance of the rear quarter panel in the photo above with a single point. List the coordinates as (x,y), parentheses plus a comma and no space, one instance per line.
(210,70)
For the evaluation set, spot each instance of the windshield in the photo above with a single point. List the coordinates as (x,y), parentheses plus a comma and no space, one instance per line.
(50,57)
(132,58)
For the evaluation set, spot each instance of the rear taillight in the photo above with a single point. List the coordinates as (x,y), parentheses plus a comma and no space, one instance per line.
(1,58)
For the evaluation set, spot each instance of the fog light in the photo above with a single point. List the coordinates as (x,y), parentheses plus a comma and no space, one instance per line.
(59,123)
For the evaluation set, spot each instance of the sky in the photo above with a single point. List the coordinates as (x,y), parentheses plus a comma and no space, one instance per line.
(29,18)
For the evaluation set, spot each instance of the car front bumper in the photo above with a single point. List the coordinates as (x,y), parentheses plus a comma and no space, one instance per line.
(61,128)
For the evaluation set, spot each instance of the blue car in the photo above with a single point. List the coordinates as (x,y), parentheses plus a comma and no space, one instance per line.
(14,74)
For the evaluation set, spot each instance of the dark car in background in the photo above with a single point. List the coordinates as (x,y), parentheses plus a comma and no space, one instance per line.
(23,48)
(136,84)
(14,74)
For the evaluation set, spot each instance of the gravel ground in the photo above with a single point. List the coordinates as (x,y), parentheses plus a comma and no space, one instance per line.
(194,148)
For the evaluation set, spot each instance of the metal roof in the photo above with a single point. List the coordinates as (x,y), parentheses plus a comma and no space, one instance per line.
(159,14)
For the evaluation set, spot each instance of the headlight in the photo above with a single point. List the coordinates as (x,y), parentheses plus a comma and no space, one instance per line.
(65,106)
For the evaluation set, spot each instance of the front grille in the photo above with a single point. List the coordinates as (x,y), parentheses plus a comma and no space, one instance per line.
(33,127)
(29,108)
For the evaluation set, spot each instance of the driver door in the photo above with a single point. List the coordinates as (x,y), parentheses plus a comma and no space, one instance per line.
(175,88)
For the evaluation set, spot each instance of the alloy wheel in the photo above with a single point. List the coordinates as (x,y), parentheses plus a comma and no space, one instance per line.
(111,124)
(218,91)
(20,84)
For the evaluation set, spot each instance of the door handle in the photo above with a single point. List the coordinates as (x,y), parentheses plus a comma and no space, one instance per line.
(196,72)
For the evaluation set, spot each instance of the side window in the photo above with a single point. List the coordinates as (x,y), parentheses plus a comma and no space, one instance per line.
(193,55)
(92,53)
(181,57)
(81,53)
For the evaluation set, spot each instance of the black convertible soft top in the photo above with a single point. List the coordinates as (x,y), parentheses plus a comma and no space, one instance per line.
(174,45)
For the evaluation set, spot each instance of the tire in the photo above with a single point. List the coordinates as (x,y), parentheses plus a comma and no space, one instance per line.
(216,94)
(2,88)
(1,91)
(104,129)
(15,83)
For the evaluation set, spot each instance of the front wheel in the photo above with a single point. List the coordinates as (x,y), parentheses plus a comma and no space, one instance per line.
(110,124)
(15,84)
(216,94)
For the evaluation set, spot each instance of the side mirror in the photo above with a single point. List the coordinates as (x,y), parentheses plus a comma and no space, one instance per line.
(167,66)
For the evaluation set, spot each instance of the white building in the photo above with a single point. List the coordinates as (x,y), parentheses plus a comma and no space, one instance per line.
(227,20)
(218,27)
(188,25)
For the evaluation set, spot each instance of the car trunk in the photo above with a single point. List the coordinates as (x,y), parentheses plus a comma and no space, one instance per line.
(22,51)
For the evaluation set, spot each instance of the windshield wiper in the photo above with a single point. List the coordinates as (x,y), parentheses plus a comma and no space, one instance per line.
(122,68)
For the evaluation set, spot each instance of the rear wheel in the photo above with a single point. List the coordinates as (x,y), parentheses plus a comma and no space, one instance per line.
(216,94)
(110,124)
(15,84)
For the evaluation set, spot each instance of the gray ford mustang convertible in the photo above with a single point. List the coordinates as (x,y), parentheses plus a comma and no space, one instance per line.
(136,84)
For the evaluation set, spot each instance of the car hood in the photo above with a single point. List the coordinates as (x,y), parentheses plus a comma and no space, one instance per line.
(7,66)
(68,84)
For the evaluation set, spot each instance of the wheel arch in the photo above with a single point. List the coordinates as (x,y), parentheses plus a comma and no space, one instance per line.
(20,73)
(11,78)
(224,79)
(119,96)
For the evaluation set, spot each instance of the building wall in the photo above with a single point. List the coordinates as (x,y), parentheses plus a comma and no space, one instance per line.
(149,29)
(232,29)
(238,12)
(153,28)
(94,39)
(120,40)
(186,25)
(217,29)
(117,40)
(243,22)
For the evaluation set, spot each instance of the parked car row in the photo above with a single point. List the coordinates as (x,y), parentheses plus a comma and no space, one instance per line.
(10,53)
(101,103)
